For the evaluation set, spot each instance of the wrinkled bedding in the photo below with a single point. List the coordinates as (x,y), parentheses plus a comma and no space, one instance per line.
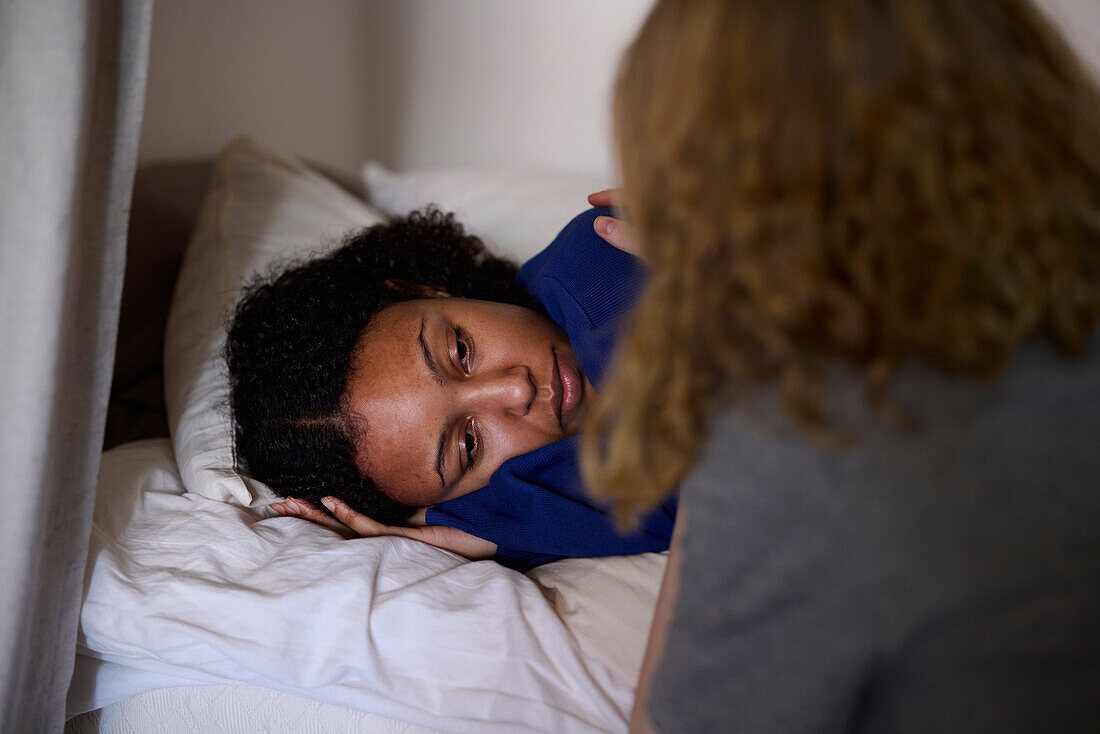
(184,590)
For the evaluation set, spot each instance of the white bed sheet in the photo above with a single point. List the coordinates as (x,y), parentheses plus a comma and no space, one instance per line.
(232,710)
(184,590)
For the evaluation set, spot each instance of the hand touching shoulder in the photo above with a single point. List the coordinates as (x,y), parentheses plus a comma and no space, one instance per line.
(615,232)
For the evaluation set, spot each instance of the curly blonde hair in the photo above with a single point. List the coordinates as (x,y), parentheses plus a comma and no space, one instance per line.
(865,180)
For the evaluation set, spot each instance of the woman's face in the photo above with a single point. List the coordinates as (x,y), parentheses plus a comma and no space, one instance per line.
(448,389)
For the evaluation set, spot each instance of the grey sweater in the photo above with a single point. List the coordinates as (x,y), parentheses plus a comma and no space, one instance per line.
(944,579)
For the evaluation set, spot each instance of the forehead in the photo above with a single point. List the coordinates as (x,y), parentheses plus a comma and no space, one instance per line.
(388,332)
(389,393)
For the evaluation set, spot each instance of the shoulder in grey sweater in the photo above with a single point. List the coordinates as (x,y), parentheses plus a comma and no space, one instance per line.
(939,579)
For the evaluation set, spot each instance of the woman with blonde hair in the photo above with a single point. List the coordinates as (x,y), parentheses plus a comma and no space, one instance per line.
(866,354)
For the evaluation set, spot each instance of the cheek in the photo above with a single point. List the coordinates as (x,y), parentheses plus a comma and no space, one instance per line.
(507,439)
(545,331)
(392,471)
(525,329)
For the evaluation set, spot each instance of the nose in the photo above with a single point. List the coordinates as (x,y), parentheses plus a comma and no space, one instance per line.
(510,391)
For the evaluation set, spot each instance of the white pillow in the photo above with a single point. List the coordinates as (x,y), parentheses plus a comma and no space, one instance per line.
(515,212)
(607,604)
(261,208)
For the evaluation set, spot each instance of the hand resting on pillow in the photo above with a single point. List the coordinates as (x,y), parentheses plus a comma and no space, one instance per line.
(351,524)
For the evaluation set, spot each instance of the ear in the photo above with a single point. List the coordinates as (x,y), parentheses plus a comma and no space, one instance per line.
(416,289)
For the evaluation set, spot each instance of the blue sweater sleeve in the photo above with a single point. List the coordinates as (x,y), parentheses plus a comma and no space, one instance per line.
(536,508)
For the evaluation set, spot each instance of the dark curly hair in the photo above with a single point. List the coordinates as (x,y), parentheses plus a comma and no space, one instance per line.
(292,337)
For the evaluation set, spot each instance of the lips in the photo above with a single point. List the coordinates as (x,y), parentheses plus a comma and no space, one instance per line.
(567,389)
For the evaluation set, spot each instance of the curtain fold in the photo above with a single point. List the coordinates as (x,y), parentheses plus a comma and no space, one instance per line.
(72,85)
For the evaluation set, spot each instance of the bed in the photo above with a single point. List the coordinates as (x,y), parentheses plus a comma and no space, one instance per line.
(205,611)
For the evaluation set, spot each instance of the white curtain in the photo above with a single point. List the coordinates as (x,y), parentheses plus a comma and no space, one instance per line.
(72,85)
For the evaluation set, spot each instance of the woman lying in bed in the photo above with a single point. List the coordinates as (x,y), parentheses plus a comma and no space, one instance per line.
(417,385)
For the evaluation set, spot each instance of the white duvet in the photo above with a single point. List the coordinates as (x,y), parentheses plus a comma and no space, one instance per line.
(184,589)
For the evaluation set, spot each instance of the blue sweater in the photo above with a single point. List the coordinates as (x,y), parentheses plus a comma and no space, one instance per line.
(536,508)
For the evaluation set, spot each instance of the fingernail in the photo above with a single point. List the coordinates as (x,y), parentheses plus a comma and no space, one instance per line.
(330,503)
(605,224)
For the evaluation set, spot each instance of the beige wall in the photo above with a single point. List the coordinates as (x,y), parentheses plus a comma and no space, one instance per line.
(409,82)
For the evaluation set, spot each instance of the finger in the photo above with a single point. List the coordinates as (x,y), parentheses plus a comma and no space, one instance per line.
(357,521)
(287,508)
(617,233)
(307,511)
(607,197)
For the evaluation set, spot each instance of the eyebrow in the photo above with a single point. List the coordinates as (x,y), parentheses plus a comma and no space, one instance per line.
(429,361)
